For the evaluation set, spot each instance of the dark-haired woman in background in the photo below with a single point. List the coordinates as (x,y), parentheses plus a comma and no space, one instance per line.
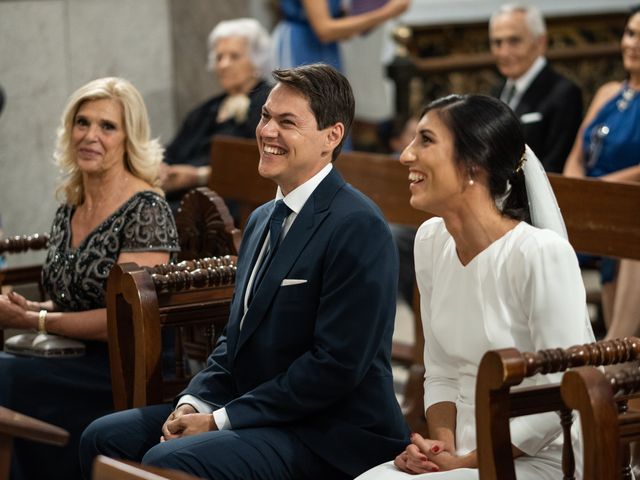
(607,146)
(488,279)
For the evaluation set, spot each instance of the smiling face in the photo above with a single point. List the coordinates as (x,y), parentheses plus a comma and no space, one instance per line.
(513,45)
(98,136)
(233,65)
(292,149)
(630,46)
(436,181)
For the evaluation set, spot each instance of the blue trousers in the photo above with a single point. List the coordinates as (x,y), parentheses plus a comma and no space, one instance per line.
(67,392)
(253,453)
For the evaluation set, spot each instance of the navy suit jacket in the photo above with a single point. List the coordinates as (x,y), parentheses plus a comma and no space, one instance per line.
(558,102)
(314,357)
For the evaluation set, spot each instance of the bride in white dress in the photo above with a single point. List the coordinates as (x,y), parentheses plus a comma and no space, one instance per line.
(488,279)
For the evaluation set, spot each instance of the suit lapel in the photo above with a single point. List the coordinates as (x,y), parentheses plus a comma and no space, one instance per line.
(300,234)
(531,98)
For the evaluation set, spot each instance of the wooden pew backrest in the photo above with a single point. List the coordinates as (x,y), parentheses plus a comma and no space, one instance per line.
(205,226)
(234,164)
(602,218)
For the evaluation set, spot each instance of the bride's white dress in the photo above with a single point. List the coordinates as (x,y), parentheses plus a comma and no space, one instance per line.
(525,291)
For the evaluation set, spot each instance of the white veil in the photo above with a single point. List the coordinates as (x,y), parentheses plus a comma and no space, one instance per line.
(543,206)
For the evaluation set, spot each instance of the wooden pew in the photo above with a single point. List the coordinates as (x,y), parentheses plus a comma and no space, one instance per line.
(234,164)
(192,298)
(15,425)
(105,468)
(497,402)
(143,301)
(601,217)
(19,244)
(608,426)
(205,226)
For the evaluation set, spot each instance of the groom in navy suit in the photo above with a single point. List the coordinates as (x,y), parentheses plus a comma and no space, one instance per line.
(300,385)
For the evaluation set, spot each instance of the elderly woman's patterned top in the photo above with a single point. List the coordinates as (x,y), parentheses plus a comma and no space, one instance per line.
(76,278)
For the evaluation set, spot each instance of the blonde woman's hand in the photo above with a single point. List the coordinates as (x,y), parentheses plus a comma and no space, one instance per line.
(15,315)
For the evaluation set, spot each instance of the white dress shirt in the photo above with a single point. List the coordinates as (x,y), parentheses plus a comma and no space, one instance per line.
(522,84)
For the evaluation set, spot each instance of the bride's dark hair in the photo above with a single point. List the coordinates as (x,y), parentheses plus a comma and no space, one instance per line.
(488,136)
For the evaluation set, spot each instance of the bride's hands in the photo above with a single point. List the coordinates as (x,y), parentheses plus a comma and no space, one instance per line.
(425,455)
(417,457)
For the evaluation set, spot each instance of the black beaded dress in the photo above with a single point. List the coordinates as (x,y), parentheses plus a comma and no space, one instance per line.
(72,392)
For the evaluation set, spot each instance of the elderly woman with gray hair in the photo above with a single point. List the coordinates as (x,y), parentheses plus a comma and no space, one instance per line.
(239,54)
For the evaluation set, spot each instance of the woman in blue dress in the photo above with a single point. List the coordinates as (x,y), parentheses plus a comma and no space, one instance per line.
(310,29)
(608,147)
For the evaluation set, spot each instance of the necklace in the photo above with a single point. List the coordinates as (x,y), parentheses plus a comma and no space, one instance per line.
(627,96)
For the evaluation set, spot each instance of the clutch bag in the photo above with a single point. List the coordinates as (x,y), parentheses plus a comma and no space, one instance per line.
(44,345)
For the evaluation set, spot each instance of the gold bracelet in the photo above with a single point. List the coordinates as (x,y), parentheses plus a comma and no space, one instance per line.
(42,321)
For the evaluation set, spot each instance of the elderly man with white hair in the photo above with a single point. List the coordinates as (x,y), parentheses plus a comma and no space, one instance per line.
(548,104)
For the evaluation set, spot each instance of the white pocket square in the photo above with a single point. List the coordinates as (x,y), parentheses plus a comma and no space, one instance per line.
(292,281)
(531,117)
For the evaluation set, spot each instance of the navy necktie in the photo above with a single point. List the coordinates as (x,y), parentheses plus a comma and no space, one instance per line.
(276,222)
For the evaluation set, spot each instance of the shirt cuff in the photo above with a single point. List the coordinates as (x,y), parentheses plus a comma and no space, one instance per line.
(222,419)
(199,405)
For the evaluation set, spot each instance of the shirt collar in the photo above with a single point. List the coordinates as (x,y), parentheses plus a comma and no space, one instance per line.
(299,196)
(525,80)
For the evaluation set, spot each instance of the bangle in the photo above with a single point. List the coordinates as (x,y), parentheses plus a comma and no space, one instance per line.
(42,321)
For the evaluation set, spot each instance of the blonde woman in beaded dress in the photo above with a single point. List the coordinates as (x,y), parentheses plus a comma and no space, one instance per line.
(112,212)
(494,270)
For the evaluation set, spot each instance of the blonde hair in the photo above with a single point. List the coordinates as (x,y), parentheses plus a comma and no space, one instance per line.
(142,154)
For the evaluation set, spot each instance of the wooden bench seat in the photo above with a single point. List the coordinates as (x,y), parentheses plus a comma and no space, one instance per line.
(105,468)
(15,425)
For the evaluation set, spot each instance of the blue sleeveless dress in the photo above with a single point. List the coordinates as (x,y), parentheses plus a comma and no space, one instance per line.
(611,143)
(612,139)
(296,43)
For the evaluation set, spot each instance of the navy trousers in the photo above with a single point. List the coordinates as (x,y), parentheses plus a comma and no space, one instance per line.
(253,453)
(67,392)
